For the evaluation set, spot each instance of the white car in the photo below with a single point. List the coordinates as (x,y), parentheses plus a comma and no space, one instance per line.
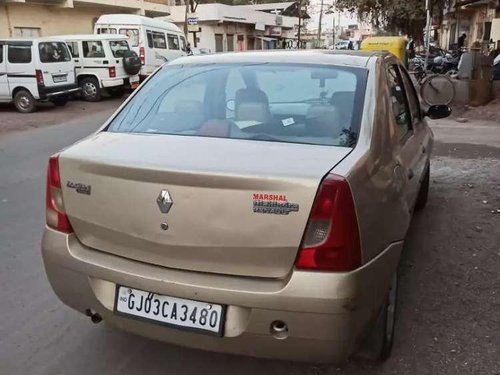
(155,41)
(34,70)
(103,62)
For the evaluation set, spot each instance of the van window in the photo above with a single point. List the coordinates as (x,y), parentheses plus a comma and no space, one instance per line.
(159,40)
(173,41)
(106,30)
(118,47)
(132,35)
(183,43)
(150,38)
(52,52)
(19,54)
(73,49)
(93,49)
(1,53)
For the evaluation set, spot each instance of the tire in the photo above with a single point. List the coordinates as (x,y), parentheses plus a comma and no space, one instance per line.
(131,62)
(378,345)
(91,91)
(60,101)
(437,89)
(24,101)
(423,193)
(117,92)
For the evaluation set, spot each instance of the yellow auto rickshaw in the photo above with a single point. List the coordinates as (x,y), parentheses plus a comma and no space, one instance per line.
(393,44)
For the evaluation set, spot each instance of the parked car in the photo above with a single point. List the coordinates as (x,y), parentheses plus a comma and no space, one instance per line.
(34,70)
(155,41)
(103,62)
(342,44)
(262,211)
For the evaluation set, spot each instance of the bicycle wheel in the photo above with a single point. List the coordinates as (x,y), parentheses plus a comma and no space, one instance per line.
(437,89)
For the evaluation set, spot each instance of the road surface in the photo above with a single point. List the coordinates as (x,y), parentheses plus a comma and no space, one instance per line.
(449,297)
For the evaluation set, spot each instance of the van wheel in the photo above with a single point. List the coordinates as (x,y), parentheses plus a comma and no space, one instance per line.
(117,92)
(378,345)
(60,101)
(24,101)
(91,91)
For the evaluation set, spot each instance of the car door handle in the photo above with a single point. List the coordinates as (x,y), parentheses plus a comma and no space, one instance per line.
(410,174)
(77,60)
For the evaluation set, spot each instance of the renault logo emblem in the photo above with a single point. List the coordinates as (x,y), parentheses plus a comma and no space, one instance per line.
(164,201)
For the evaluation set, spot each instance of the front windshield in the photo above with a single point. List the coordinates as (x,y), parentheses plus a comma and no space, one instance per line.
(298,103)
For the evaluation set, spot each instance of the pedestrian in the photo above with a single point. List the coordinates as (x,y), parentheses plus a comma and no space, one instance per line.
(461,40)
(350,45)
(411,49)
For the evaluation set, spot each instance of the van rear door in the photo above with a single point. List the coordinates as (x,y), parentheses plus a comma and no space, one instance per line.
(57,66)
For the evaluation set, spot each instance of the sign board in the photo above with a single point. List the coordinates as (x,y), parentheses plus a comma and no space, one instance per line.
(275,31)
(193,28)
(192,20)
(260,26)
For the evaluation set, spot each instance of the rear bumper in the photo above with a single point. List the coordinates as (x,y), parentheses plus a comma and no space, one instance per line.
(112,82)
(327,313)
(49,92)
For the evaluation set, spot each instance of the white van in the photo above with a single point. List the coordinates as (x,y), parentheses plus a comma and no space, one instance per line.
(103,62)
(155,41)
(35,69)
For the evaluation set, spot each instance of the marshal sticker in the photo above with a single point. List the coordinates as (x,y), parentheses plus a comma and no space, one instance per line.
(273,204)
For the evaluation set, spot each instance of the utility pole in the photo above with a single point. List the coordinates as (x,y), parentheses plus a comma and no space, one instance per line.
(300,21)
(319,23)
(428,30)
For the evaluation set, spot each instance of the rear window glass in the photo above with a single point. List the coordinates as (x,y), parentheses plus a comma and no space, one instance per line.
(297,103)
(53,52)
(132,35)
(118,47)
(19,54)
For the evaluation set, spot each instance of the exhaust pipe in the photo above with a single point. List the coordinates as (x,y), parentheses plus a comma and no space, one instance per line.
(94,317)
(279,330)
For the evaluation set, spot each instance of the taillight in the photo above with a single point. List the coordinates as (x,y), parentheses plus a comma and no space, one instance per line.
(142,55)
(112,72)
(39,77)
(55,214)
(331,241)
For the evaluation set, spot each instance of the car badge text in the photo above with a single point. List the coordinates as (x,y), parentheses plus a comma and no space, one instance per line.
(164,201)
(80,188)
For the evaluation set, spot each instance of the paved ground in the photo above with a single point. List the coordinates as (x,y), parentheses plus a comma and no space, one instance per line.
(448,319)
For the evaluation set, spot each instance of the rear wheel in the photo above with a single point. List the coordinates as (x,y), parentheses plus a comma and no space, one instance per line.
(423,193)
(437,89)
(24,101)
(117,92)
(91,91)
(60,101)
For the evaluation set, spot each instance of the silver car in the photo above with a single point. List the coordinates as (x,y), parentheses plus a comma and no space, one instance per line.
(253,203)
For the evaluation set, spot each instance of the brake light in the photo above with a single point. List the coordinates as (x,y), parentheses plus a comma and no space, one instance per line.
(112,72)
(142,55)
(55,215)
(39,77)
(331,241)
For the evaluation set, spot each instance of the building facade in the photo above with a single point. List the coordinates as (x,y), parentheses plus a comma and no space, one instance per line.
(24,18)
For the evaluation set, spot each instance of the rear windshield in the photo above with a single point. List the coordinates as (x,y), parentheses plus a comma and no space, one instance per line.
(297,103)
(52,52)
(118,47)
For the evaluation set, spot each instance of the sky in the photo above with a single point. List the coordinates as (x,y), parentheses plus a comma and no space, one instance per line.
(314,8)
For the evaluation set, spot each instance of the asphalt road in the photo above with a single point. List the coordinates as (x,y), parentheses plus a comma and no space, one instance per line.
(449,298)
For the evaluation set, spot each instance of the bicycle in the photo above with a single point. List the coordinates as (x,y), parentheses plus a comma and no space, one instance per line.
(435,88)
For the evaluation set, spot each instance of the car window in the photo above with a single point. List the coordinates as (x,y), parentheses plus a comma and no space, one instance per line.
(53,52)
(132,35)
(398,100)
(93,49)
(183,43)
(173,41)
(1,53)
(150,38)
(412,97)
(159,40)
(73,49)
(19,54)
(296,103)
(118,47)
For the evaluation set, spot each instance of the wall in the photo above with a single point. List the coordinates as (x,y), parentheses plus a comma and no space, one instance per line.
(51,20)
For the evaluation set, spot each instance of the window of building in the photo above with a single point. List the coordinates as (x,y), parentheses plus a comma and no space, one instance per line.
(398,100)
(132,35)
(173,41)
(27,32)
(230,42)
(149,35)
(19,54)
(51,52)
(93,49)
(159,40)
(73,49)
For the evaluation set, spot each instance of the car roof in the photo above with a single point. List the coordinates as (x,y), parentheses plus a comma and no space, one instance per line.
(28,41)
(123,20)
(347,58)
(94,37)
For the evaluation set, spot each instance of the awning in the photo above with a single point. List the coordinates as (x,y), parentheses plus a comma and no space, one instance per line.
(266,39)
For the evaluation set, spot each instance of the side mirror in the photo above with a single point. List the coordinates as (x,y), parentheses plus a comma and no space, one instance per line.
(436,112)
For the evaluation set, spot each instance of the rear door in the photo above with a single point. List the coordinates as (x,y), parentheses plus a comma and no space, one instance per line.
(21,66)
(94,59)
(56,63)
(407,152)
(4,84)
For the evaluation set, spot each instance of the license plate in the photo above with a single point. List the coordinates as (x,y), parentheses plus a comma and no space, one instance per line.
(60,78)
(134,79)
(170,311)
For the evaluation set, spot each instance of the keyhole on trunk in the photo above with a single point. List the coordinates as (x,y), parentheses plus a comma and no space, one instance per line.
(164,226)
